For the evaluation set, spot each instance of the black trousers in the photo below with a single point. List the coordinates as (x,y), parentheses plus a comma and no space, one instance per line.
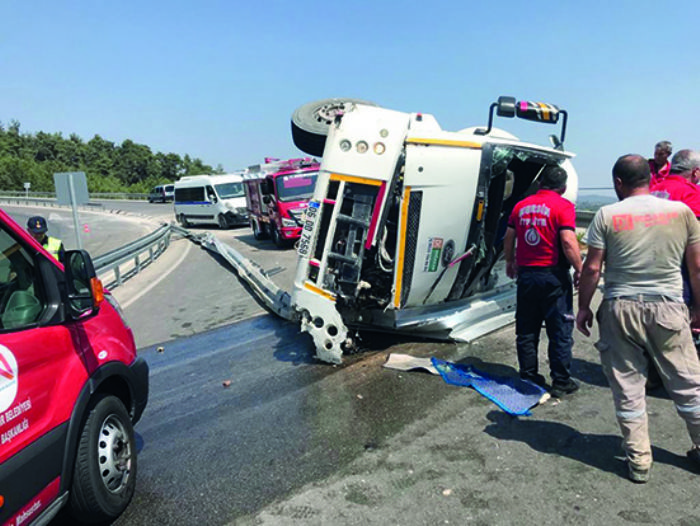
(545,295)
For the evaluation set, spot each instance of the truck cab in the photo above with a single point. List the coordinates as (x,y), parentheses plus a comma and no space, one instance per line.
(405,229)
(277,194)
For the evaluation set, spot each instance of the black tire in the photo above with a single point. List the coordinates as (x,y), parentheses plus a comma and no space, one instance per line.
(222,221)
(277,239)
(104,475)
(310,122)
(257,232)
(184,222)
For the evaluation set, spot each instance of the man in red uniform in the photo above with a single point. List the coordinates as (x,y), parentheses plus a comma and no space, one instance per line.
(544,225)
(659,165)
(682,182)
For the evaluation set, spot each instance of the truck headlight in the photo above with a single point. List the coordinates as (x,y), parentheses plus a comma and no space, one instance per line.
(288,222)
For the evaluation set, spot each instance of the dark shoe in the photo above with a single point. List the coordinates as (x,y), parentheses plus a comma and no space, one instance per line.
(637,474)
(536,379)
(559,390)
(694,455)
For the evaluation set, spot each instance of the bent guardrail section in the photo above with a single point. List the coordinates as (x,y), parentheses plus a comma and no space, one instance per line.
(275,299)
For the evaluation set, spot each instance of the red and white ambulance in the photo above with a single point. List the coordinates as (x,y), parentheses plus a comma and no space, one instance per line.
(71,388)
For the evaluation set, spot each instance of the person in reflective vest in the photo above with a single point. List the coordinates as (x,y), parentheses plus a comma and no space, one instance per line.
(38,228)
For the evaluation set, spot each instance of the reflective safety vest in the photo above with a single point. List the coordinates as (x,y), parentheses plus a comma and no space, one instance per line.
(53,245)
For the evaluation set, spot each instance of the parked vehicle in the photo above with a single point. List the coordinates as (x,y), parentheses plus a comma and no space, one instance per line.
(277,193)
(405,229)
(162,194)
(211,199)
(71,388)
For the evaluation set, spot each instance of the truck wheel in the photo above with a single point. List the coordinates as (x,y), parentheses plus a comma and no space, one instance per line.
(277,238)
(257,232)
(310,122)
(104,475)
(223,222)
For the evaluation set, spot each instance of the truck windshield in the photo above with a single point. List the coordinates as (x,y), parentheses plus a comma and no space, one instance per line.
(229,190)
(296,187)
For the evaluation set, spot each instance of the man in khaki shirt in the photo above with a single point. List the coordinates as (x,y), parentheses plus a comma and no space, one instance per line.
(643,240)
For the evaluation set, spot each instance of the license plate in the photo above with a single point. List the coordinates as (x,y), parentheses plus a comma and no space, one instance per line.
(310,216)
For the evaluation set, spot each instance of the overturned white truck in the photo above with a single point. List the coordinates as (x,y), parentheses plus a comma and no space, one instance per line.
(405,229)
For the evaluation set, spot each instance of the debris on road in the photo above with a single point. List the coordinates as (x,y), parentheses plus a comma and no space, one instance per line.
(514,395)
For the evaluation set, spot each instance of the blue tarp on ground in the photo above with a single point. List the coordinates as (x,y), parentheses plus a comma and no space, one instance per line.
(513,395)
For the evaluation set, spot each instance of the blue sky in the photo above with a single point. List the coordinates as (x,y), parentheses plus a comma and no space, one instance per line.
(220,79)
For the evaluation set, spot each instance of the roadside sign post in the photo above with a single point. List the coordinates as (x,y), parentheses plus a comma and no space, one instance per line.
(27,186)
(71,189)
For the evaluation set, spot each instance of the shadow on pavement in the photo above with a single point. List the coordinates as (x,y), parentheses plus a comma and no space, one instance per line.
(554,438)
(588,372)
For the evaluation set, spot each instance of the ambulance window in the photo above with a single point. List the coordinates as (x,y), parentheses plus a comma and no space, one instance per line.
(21,301)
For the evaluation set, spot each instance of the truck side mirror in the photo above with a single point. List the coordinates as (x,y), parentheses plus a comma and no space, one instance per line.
(528,110)
(506,107)
(84,289)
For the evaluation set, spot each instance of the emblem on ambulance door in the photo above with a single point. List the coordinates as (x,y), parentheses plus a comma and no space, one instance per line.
(8,378)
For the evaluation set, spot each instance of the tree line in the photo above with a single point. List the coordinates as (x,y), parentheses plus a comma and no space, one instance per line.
(109,167)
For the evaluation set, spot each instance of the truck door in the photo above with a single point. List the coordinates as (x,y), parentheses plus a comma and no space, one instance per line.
(40,377)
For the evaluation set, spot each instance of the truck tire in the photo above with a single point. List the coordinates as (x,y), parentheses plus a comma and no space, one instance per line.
(104,475)
(258,233)
(277,238)
(310,122)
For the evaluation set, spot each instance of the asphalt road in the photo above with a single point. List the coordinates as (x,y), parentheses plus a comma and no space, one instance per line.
(291,441)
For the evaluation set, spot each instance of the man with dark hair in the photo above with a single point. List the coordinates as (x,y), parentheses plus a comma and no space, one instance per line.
(659,165)
(682,182)
(544,226)
(37,228)
(642,240)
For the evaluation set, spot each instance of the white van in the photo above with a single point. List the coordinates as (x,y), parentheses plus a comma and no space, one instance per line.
(210,199)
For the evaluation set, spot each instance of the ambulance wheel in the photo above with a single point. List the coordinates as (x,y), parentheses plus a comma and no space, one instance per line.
(257,232)
(311,121)
(104,475)
(223,222)
(184,222)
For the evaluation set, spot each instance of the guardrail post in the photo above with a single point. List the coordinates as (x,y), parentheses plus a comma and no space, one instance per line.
(118,275)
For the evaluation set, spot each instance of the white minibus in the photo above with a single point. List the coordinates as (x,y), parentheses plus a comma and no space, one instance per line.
(210,199)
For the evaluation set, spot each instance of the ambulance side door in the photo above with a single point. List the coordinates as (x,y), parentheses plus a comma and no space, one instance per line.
(41,375)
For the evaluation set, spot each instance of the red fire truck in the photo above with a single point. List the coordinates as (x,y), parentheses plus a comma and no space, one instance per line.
(277,194)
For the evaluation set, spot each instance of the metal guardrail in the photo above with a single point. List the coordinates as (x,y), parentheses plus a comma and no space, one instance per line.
(122,263)
(584,217)
(52,195)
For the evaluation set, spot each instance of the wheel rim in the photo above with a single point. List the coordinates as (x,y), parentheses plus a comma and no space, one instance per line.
(327,113)
(114,454)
